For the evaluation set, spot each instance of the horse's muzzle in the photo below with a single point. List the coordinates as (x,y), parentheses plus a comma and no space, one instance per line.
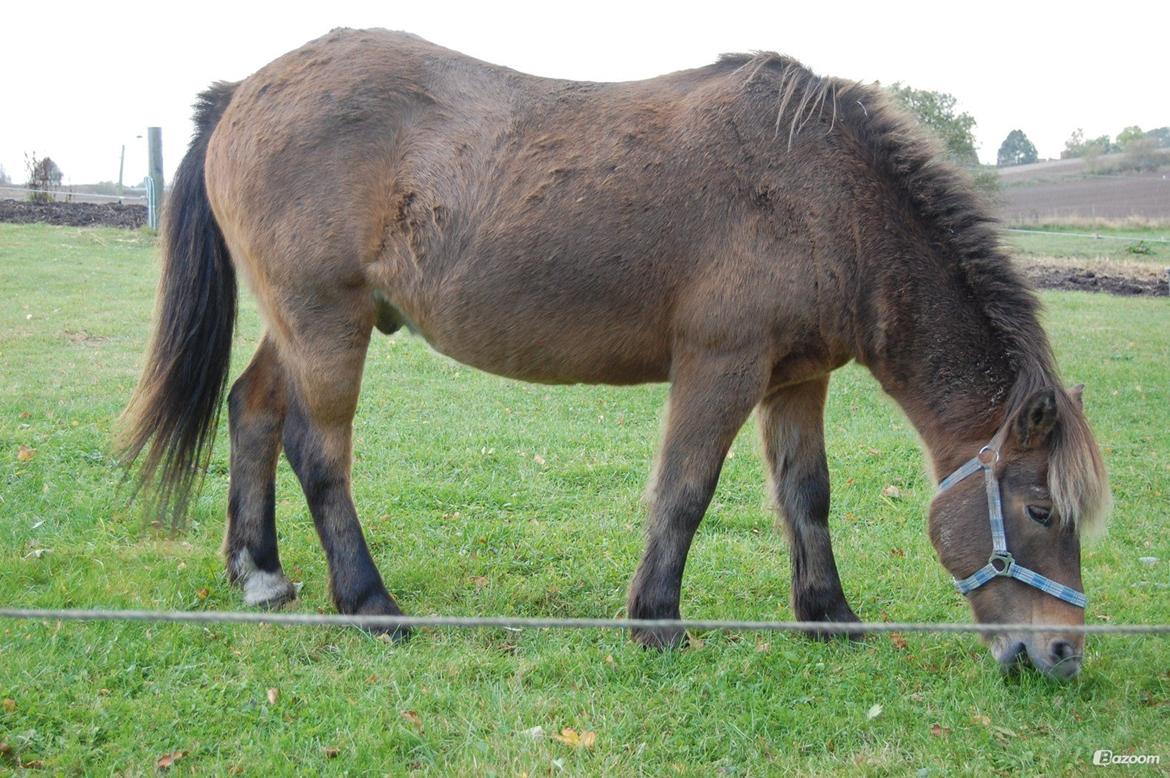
(1054,656)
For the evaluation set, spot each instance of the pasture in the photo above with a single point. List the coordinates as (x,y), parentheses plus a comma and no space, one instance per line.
(1140,245)
(482,496)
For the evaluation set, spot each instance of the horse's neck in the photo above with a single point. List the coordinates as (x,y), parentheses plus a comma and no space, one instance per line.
(933,350)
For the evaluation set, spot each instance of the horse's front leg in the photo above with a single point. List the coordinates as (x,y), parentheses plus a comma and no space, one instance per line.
(792,426)
(710,398)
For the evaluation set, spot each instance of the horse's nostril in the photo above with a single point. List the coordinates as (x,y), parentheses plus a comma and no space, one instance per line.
(1066,660)
(1062,650)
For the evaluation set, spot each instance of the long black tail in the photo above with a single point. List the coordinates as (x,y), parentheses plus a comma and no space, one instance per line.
(175,406)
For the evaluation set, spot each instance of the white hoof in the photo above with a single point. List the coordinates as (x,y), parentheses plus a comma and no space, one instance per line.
(262,589)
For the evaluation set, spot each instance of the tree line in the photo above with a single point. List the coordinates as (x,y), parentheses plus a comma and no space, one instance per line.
(1139,149)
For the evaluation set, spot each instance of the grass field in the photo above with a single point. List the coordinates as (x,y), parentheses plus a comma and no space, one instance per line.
(485,496)
(1116,242)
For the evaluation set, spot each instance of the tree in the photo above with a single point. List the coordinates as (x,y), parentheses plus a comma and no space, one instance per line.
(1078,146)
(43,177)
(1160,136)
(1140,148)
(1016,149)
(1129,135)
(4,179)
(936,110)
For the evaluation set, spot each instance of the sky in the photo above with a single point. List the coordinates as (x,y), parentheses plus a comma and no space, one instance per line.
(81,80)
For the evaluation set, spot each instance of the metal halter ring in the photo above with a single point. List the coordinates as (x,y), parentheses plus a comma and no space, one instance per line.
(1005,559)
(988,456)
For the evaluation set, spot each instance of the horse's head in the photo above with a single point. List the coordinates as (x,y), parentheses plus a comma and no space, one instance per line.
(1045,467)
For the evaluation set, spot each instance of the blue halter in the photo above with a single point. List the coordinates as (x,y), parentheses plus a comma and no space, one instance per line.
(1001,562)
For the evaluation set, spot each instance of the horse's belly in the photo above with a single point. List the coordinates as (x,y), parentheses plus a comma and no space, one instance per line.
(528,343)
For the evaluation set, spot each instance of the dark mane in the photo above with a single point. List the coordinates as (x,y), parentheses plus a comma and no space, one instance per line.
(916,168)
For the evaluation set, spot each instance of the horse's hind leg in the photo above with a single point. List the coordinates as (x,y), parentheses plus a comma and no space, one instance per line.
(256,411)
(324,361)
(709,401)
(792,426)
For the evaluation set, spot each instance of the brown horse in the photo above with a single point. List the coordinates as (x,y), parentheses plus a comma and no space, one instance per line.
(739,230)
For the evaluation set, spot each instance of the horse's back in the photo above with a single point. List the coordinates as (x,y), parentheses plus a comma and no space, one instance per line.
(543,229)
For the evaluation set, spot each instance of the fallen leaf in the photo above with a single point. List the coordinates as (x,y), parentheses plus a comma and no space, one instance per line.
(981,719)
(414,719)
(898,641)
(331,752)
(167,761)
(570,737)
(892,492)
(5,749)
(609,659)
(874,712)
(203,593)
(480,581)
(24,453)
(25,415)
(538,459)
(9,704)
(898,553)
(938,730)
(273,696)
(1002,734)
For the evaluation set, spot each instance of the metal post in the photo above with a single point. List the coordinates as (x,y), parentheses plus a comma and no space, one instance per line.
(155,173)
(121,167)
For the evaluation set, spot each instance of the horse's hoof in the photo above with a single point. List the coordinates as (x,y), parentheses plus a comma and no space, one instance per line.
(840,614)
(392,635)
(383,605)
(268,591)
(659,639)
(826,636)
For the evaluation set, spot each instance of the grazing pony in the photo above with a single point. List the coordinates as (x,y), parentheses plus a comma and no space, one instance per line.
(740,230)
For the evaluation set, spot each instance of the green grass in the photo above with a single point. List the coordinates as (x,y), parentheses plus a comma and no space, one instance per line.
(1133,244)
(463,518)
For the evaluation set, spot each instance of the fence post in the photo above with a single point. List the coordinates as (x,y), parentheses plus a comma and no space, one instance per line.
(155,173)
(121,166)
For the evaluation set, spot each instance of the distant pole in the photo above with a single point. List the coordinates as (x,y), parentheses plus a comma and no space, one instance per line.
(121,167)
(155,173)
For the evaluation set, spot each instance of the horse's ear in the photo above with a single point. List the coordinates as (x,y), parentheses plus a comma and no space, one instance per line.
(1076,394)
(1036,419)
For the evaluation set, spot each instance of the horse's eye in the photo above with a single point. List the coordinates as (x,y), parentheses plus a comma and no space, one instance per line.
(1040,514)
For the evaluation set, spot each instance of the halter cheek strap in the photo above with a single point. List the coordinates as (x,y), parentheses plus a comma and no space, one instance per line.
(1001,562)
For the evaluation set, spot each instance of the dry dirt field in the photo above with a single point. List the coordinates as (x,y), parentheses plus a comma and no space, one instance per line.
(1144,194)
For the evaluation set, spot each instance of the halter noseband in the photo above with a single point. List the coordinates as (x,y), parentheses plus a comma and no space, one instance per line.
(1001,562)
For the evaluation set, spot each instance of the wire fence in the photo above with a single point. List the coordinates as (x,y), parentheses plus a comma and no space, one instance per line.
(522,623)
(70,196)
(1093,235)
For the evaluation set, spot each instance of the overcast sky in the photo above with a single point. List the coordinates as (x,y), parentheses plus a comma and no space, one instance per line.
(80,80)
